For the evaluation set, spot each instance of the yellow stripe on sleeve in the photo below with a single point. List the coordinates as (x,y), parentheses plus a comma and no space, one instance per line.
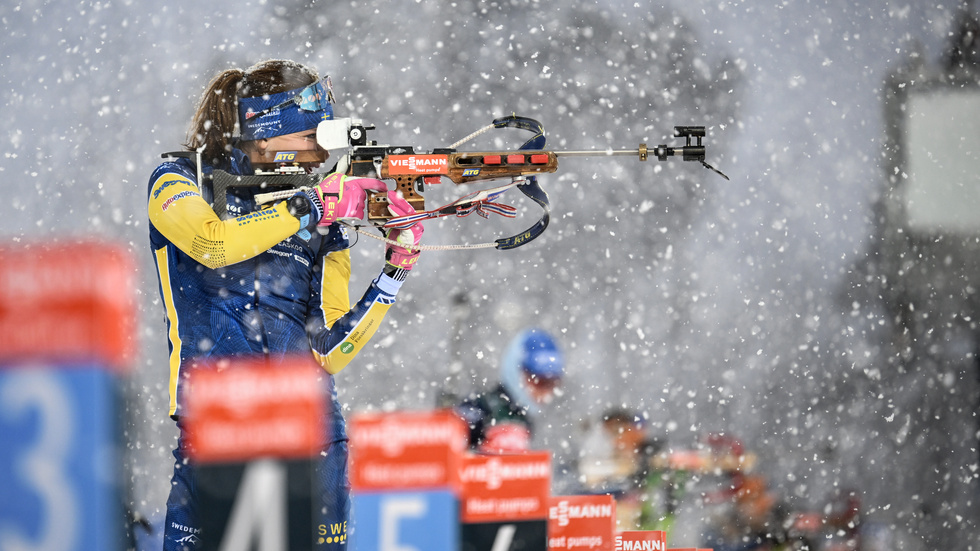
(163,267)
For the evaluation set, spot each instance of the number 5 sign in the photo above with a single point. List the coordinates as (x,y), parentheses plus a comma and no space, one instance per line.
(405,521)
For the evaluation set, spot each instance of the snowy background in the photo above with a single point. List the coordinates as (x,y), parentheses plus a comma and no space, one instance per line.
(754,307)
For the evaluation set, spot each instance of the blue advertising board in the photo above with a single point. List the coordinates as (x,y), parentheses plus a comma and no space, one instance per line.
(408,520)
(59,459)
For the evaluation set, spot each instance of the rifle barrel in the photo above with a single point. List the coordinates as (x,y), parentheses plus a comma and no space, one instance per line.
(597,152)
(641,152)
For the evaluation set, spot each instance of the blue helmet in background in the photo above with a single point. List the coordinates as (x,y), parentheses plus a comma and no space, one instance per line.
(532,352)
(540,355)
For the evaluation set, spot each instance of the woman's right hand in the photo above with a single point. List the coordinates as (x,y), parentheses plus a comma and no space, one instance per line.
(405,256)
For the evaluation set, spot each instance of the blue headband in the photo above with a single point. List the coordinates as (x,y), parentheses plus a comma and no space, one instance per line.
(286,112)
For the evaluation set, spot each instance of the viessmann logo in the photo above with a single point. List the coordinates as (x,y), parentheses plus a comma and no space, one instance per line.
(495,472)
(392,437)
(418,164)
(565,511)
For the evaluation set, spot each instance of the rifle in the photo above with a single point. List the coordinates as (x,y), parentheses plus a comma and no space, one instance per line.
(413,171)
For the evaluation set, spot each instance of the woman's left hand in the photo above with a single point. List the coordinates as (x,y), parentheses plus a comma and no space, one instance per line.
(344,197)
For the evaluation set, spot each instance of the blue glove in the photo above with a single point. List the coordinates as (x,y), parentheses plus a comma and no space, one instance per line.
(308,209)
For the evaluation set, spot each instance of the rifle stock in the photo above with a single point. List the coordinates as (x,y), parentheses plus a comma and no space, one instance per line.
(412,172)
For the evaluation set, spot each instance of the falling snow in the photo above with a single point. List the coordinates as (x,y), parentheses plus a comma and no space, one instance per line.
(763,307)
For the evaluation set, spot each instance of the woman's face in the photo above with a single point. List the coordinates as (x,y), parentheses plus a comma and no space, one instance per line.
(260,151)
(542,389)
(297,141)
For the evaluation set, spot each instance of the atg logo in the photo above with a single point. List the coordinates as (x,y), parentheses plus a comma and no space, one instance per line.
(284,157)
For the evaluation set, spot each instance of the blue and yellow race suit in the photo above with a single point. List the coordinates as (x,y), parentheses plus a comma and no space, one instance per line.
(250,286)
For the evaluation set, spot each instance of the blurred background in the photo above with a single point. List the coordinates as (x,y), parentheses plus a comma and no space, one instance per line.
(806,307)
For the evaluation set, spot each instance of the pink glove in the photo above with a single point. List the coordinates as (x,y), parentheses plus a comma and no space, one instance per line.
(344,197)
(403,258)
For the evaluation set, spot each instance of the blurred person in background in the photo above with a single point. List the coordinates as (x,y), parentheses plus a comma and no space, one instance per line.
(267,282)
(501,419)
(755,519)
(608,456)
(615,459)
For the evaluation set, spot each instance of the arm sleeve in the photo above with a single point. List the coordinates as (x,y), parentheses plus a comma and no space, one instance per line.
(177,210)
(338,332)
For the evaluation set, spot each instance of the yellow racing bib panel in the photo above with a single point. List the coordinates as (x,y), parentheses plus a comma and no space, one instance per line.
(334,286)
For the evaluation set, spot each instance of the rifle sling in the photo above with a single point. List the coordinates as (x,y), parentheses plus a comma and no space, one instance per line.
(539,196)
(530,187)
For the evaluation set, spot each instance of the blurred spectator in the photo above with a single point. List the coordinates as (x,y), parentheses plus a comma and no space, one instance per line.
(612,455)
(755,519)
(616,460)
(500,419)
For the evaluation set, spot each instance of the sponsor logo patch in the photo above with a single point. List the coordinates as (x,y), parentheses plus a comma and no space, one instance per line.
(418,164)
(168,183)
(169,202)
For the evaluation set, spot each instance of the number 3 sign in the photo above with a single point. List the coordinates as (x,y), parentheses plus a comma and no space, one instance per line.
(58,460)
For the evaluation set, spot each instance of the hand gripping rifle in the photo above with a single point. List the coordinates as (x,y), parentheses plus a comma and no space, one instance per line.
(413,171)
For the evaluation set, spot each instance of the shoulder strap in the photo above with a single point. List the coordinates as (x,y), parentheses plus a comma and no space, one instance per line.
(195,158)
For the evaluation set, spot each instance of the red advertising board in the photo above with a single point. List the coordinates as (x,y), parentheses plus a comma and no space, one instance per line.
(582,522)
(406,450)
(641,540)
(505,487)
(253,408)
(67,301)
